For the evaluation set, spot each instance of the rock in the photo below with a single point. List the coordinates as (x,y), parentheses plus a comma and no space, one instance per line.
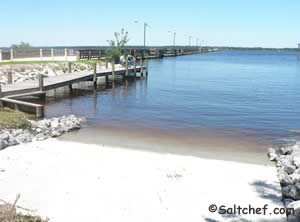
(12,141)
(290,191)
(24,138)
(55,133)
(3,145)
(4,136)
(284,178)
(285,163)
(286,150)
(272,154)
(287,201)
(54,123)
(295,177)
(295,215)
(17,132)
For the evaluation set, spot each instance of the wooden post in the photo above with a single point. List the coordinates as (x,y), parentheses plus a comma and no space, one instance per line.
(113,69)
(106,63)
(106,79)
(9,77)
(70,71)
(39,112)
(126,67)
(146,64)
(41,54)
(69,67)
(41,82)
(142,68)
(11,54)
(95,74)
(52,53)
(1,103)
(66,54)
(134,67)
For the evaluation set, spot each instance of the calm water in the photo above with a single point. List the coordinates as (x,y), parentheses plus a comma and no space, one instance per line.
(253,95)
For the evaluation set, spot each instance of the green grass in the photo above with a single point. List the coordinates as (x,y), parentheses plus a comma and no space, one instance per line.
(13,119)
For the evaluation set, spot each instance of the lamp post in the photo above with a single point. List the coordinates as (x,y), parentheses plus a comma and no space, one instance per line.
(145,29)
(190,38)
(174,41)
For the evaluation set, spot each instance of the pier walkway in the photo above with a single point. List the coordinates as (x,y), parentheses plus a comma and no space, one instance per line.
(10,94)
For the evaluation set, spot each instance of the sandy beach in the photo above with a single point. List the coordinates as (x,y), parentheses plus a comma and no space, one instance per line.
(67,181)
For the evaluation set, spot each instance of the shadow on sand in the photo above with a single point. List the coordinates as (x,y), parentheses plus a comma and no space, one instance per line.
(265,190)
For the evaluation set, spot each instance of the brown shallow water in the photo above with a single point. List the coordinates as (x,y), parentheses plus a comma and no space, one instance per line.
(214,144)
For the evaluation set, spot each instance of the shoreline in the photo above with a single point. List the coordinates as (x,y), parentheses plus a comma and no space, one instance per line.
(119,184)
(204,144)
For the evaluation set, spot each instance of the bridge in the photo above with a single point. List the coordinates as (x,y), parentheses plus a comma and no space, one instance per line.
(92,52)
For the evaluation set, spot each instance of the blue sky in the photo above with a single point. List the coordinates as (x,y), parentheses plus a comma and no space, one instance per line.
(266,23)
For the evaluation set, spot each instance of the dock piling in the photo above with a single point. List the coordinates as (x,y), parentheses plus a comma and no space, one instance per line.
(142,68)
(41,82)
(1,103)
(113,69)
(146,65)
(126,68)
(69,67)
(9,77)
(134,68)
(95,74)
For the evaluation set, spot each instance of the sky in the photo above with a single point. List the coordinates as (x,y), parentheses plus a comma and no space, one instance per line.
(244,23)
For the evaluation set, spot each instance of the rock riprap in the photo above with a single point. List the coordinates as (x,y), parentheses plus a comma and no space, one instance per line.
(23,72)
(40,130)
(287,158)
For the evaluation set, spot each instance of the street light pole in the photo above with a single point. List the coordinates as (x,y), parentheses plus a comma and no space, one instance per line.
(145,27)
(174,40)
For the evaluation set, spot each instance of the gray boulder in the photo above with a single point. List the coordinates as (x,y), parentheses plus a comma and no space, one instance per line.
(291,191)
(3,144)
(284,178)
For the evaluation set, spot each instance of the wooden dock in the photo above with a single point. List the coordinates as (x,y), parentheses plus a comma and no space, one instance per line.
(11,94)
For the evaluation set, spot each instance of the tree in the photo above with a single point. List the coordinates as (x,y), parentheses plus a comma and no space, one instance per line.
(117,45)
(22,45)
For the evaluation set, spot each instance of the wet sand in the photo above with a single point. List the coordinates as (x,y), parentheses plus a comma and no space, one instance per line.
(212,144)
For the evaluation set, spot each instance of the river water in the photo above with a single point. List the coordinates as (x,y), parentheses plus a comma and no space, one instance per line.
(226,105)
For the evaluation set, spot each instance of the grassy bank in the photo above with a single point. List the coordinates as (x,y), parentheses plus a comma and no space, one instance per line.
(13,119)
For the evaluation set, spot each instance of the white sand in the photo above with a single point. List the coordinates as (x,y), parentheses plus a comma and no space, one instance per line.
(76,182)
